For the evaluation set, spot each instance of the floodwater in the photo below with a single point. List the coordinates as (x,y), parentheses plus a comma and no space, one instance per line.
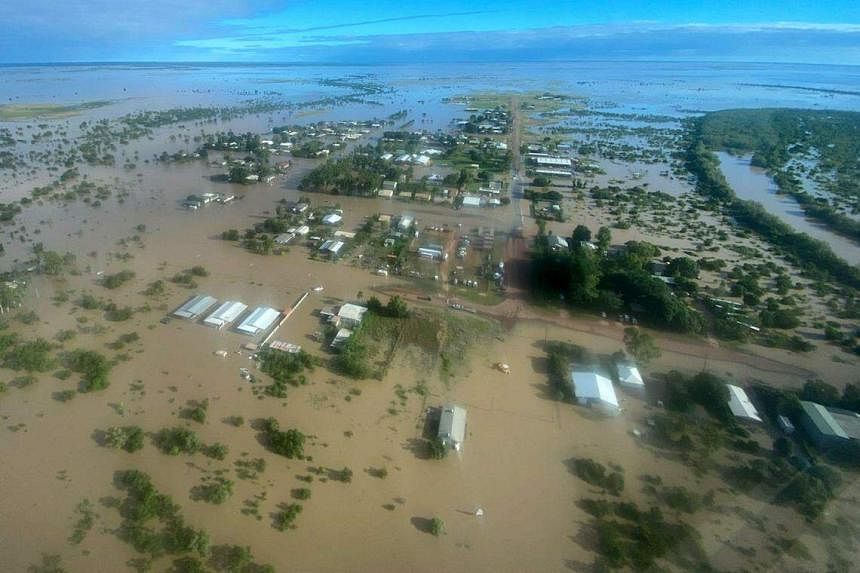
(514,462)
(754,184)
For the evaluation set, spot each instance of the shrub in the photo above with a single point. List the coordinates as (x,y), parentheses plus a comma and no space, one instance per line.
(216,451)
(302,493)
(595,473)
(116,280)
(32,356)
(285,518)
(92,366)
(217,491)
(175,441)
(437,526)
(129,438)
(289,443)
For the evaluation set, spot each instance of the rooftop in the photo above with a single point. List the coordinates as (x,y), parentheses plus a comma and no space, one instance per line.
(823,420)
(740,404)
(593,386)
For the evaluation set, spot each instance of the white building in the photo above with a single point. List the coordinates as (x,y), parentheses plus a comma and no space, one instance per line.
(452,426)
(471,201)
(386,193)
(284,238)
(259,321)
(740,404)
(350,315)
(225,314)
(332,219)
(195,307)
(630,378)
(595,391)
(557,243)
(332,247)
(342,336)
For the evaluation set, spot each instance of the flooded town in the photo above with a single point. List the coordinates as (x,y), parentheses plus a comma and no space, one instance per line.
(481,318)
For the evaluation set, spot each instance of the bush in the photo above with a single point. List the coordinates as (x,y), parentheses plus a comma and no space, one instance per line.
(437,526)
(595,473)
(217,491)
(175,441)
(199,271)
(116,280)
(302,493)
(285,518)
(31,356)
(216,451)
(92,366)
(129,438)
(289,443)
(438,450)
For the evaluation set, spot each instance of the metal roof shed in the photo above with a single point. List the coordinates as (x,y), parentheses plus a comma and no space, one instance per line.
(225,314)
(195,306)
(452,426)
(595,390)
(629,377)
(259,320)
(740,404)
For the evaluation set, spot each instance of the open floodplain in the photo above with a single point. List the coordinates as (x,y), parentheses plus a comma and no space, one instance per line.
(100,253)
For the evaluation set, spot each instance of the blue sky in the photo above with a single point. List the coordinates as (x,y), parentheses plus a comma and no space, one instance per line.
(823,31)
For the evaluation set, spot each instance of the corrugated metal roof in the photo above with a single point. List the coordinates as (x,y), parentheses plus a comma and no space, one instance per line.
(822,420)
(262,318)
(629,375)
(740,404)
(226,313)
(593,386)
(195,306)
(452,424)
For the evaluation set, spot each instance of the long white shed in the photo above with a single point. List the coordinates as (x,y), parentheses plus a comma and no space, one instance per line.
(225,314)
(195,307)
(259,321)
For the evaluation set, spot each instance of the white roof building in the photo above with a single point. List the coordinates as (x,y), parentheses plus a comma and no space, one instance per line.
(284,238)
(332,219)
(332,247)
(557,242)
(225,314)
(260,320)
(342,336)
(471,201)
(553,161)
(351,314)
(595,391)
(452,426)
(740,404)
(195,307)
(386,193)
(629,377)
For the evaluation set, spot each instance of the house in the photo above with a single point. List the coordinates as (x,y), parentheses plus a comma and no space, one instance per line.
(452,426)
(823,428)
(630,378)
(432,252)
(386,193)
(297,208)
(405,223)
(195,307)
(389,185)
(299,231)
(225,314)
(350,315)
(342,336)
(740,404)
(260,320)
(471,201)
(287,347)
(332,219)
(284,238)
(386,156)
(422,160)
(595,391)
(557,243)
(332,247)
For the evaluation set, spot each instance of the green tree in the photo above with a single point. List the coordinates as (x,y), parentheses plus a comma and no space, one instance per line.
(581,233)
(604,238)
(641,345)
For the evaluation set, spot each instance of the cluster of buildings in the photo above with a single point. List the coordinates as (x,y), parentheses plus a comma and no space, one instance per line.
(257,322)
(194,202)
(345,318)
(550,165)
